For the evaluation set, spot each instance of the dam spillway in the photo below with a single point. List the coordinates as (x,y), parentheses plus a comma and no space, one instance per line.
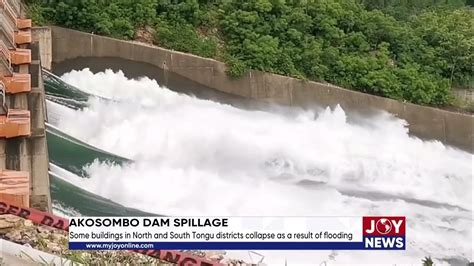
(188,152)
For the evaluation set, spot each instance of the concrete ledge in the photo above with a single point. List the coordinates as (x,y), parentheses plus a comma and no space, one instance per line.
(429,123)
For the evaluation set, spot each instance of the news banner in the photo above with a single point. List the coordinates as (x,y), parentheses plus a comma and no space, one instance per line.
(237,233)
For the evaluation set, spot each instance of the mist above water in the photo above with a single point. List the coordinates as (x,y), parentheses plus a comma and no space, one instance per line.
(198,157)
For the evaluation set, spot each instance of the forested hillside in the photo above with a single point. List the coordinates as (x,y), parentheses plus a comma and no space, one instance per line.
(413,50)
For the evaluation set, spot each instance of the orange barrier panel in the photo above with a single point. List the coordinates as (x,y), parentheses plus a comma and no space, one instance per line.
(23,24)
(22,37)
(20,56)
(39,217)
(15,187)
(16,123)
(17,83)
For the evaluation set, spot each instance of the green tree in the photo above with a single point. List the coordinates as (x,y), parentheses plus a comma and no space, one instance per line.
(413,50)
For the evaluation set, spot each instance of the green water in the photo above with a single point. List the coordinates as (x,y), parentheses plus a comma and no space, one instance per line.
(62,93)
(77,200)
(54,86)
(72,154)
(65,94)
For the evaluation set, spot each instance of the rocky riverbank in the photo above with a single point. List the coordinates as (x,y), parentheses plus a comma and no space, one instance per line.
(50,240)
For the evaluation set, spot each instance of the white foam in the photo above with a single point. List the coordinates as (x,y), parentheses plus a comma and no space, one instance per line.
(196,157)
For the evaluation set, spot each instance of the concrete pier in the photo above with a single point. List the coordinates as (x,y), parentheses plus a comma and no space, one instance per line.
(30,153)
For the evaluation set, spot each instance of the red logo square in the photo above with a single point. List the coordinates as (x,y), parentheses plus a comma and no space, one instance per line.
(383,226)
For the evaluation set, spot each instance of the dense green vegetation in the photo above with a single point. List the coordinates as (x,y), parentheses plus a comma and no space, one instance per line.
(413,50)
(403,9)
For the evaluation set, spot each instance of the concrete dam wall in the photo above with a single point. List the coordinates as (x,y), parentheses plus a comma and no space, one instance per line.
(425,122)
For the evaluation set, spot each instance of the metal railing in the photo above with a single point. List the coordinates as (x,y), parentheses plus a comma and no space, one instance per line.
(5,60)
(8,13)
(7,30)
(4,52)
(16,7)
(5,66)
(3,102)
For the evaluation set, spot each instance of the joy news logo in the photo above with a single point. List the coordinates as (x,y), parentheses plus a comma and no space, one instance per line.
(383,232)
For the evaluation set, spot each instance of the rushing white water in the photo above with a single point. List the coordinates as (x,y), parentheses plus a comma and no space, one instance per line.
(197,157)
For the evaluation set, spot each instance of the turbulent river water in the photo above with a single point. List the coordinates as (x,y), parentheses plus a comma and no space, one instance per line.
(130,142)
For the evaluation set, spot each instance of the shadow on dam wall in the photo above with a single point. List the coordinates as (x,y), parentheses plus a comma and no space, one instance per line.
(99,52)
(426,123)
(180,84)
(173,81)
